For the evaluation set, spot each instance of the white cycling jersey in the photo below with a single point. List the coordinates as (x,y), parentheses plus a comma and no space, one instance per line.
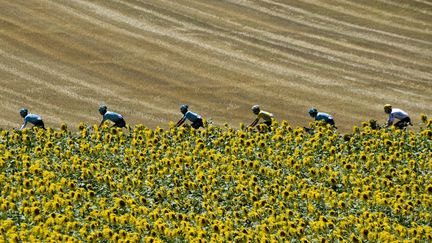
(398,114)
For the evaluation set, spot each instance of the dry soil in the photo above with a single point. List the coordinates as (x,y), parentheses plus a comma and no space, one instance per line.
(143,58)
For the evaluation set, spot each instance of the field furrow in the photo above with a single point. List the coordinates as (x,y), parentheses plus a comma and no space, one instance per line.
(144,58)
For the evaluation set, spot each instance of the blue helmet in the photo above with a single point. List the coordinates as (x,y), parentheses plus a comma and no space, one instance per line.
(312,111)
(103,109)
(184,108)
(23,112)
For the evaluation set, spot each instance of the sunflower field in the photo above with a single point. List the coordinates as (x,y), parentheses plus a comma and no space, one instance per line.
(216,184)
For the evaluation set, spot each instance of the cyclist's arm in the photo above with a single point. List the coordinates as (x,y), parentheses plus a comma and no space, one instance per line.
(183,119)
(390,121)
(23,125)
(254,122)
(103,119)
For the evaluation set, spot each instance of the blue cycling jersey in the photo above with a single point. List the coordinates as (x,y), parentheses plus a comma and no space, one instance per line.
(112,116)
(193,117)
(32,118)
(321,116)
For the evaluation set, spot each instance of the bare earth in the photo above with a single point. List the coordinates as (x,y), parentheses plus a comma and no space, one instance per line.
(143,58)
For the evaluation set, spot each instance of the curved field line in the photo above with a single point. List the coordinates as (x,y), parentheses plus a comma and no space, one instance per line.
(344,28)
(228,35)
(370,14)
(135,24)
(301,44)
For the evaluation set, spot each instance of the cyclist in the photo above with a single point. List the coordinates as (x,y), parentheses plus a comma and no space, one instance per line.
(266,116)
(321,116)
(34,119)
(395,113)
(196,119)
(112,116)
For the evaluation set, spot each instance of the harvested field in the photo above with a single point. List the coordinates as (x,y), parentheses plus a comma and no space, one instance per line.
(61,59)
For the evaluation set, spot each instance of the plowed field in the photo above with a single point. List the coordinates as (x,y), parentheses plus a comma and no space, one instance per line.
(143,58)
